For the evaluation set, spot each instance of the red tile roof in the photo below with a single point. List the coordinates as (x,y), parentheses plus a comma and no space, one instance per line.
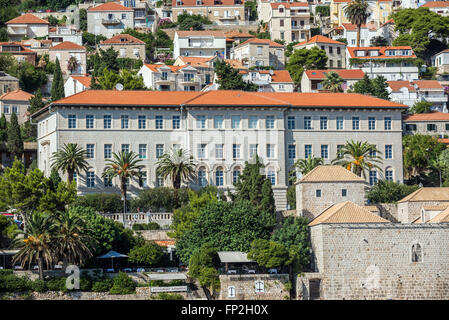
(430,116)
(84,80)
(345,74)
(122,39)
(237,34)
(24,48)
(381,50)
(67,45)
(195,61)
(397,85)
(110,6)
(261,41)
(276,5)
(281,76)
(216,34)
(428,84)
(16,95)
(27,18)
(155,67)
(436,4)
(209,3)
(353,27)
(319,39)
(421,84)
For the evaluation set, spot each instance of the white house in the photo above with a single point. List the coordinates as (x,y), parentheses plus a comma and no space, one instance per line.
(76,84)
(27,25)
(441,61)
(440,7)
(109,18)
(269,80)
(199,44)
(60,34)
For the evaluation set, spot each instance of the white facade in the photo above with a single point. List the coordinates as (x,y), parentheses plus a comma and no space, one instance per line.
(73,86)
(441,61)
(109,23)
(64,34)
(268,80)
(168,78)
(199,44)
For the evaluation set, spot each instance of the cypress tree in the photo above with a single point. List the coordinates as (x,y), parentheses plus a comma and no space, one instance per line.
(3,128)
(15,142)
(55,179)
(57,87)
(36,102)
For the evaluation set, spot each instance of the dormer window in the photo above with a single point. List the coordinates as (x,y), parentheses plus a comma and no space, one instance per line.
(360,53)
(198,2)
(281,9)
(374,53)
(391,53)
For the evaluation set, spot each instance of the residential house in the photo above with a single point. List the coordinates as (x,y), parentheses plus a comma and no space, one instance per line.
(433,123)
(348,31)
(76,84)
(19,52)
(380,11)
(126,45)
(311,80)
(220,12)
(59,34)
(109,19)
(393,63)
(8,83)
(27,25)
(205,66)
(269,80)
(41,47)
(199,44)
(441,61)
(143,15)
(161,77)
(260,53)
(335,50)
(17,102)
(64,51)
(289,21)
(222,130)
(410,92)
(440,7)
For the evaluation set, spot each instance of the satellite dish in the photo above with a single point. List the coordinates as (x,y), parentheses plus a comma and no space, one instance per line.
(119,86)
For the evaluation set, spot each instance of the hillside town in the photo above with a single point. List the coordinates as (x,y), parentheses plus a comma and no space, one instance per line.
(224,150)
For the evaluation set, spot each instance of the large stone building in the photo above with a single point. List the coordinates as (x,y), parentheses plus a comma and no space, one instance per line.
(109,19)
(358,255)
(432,123)
(289,21)
(64,52)
(380,11)
(221,129)
(126,45)
(19,52)
(27,25)
(17,102)
(8,83)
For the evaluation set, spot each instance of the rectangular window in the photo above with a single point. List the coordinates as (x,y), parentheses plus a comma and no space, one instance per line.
(236,151)
(307,151)
(72,121)
(90,179)
(339,147)
(291,123)
(291,151)
(89,121)
(15,110)
(387,123)
(252,122)
(270,151)
(201,151)
(235,121)
(143,181)
(431,127)
(323,123)
(201,122)
(371,123)
(219,151)
(344,192)
(159,150)
(324,151)
(389,175)
(107,121)
(253,150)
(318,193)
(340,123)
(90,151)
(307,123)
(108,151)
(269,123)
(176,122)
(142,151)
(372,177)
(355,123)
(125,148)
(218,122)
(388,151)
(159,122)
(6,109)
(142,122)
(124,121)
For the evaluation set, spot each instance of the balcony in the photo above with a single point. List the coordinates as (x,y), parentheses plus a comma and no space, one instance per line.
(299,27)
(194,81)
(165,81)
(17,31)
(110,22)
(227,18)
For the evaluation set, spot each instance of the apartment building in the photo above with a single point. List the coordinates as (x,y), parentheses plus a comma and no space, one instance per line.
(260,52)
(220,12)
(205,66)
(19,52)
(269,80)
(27,25)
(311,80)
(126,45)
(393,63)
(64,52)
(109,19)
(161,77)
(199,44)
(17,102)
(221,130)
(143,16)
(335,50)
(380,12)
(434,123)
(289,21)
(61,34)
(41,47)
(367,33)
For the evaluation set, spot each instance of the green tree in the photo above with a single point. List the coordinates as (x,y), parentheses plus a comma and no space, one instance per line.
(269,254)
(129,80)
(358,157)
(14,137)
(379,41)
(123,284)
(57,87)
(83,19)
(305,59)
(70,159)
(178,165)
(150,254)
(421,107)
(3,128)
(357,11)
(229,78)
(364,86)
(36,102)
(385,191)
(161,199)
(101,202)
(380,88)
(333,82)
(202,266)
(55,179)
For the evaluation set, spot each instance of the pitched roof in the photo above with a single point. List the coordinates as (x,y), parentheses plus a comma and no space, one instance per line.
(67,45)
(426,194)
(319,39)
(281,76)
(397,85)
(16,95)
(275,5)
(261,41)
(347,212)
(346,74)
(235,63)
(156,66)
(443,216)
(122,39)
(196,61)
(381,50)
(428,84)
(84,80)
(24,49)
(213,33)
(209,3)
(237,34)
(27,18)
(330,173)
(430,116)
(436,4)
(110,6)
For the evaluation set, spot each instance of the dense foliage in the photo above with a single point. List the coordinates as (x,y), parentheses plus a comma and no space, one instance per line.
(305,59)
(389,191)
(376,87)
(229,78)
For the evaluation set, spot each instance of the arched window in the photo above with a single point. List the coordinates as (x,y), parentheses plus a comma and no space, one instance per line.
(219,177)
(235,175)
(416,252)
(271,175)
(202,181)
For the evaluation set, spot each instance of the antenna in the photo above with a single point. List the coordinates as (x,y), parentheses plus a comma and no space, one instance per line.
(119,86)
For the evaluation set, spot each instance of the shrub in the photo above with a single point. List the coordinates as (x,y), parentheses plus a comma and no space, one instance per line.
(149,254)
(123,284)
(85,284)
(101,202)
(159,200)
(39,286)
(13,283)
(168,296)
(148,226)
(56,284)
(102,285)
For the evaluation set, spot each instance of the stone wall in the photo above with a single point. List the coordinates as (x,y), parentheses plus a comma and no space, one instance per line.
(274,286)
(374,261)
(410,211)
(388,211)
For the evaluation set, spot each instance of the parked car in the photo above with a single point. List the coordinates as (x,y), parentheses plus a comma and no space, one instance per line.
(49,10)
(273,271)
(18,268)
(35,267)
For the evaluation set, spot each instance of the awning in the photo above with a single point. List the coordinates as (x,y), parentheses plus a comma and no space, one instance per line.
(233,257)
(112,254)
(167,276)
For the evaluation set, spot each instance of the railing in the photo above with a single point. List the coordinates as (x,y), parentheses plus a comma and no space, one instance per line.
(163,219)
(110,21)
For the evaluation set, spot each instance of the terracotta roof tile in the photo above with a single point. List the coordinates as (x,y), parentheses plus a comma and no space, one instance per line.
(331,174)
(67,45)
(347,212)
(196,61)
(381,50)
(16,95)
(237,34)
(427,194)
(397,85)
(428,84)
(122,39)
(346,74)
(281,76)
(436,4)
(319,39)
(110,6)
(353,27)
(235,63)
(84,80)
(24,49)
(155,67)
(261,41)
(430,116)
(276,5)
(443,216)
(27,18)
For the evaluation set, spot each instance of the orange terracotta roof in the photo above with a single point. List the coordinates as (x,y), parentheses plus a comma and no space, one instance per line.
(110,6)
(235,63)
(346,74)
(24,48)
(428,84)
(430,116)
(196,61)
(436,4)
(443,140)
(155,67)
(84,80)
(397,85)
(281,76)
(381,50)
(342,1)
(122,39)
(388,22)
(216,34)
(16,95)
(165,243)
(27,18)
(353,27)
(209,3)
(330,173)
(276,5)
(319,39)
(67,45)
(427,194)
(261,41)
(237,34)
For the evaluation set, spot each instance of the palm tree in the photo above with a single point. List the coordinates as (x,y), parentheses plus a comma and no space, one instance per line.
(72,64)
(177,164)
(71,244)
(357,11)
(333,82)
(358,157)
(36,243)
(124,165)
(70,159)
(306,165)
